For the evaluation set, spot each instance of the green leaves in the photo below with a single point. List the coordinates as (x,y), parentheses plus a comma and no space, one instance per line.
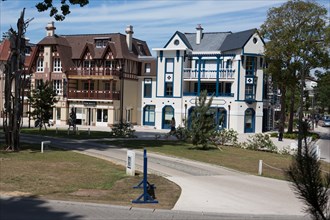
(65,8)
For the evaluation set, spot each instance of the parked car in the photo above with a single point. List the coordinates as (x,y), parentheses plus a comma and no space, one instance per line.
(326,123)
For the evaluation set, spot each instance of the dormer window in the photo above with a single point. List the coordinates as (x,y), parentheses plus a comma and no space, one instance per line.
(141,50)
(101,43)
(57,65)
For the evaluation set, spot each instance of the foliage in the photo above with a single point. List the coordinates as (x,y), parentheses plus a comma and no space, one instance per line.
(310,185)
(65,8)
(123,130)
(42,100)
(202,122)
(297,42)
(182,133)
(294,135)
(322,89)
(260,142)
(225,137)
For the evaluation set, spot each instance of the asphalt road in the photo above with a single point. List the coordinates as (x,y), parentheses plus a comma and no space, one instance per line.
(324,143)
(205,188)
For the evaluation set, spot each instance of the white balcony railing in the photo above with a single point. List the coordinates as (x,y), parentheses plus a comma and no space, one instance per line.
(224,73)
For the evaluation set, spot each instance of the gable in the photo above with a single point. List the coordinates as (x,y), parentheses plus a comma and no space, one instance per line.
(178,42)
(255,44)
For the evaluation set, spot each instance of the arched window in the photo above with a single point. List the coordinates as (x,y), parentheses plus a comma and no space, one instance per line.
(168,113)
(249,121)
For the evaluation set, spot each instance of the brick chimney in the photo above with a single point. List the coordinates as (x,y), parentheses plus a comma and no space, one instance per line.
(129,36)
(199,33)
(50,29)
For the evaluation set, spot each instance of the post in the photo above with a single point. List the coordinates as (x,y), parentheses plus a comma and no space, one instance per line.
(130,163)
(260,168)
(121,94)
(42,145)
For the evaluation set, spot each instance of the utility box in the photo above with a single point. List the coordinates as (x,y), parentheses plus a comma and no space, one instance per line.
(130,163)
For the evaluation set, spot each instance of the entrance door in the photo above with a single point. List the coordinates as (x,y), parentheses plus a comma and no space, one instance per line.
(221,118)
(168,114)
(101,117)
(249,121)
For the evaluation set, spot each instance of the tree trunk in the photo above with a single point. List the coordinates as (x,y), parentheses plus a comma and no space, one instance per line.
(291,114)
(282,113)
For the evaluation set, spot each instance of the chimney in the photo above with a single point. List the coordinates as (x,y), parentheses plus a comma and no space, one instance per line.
(129,36)
(199,33)
(50,29)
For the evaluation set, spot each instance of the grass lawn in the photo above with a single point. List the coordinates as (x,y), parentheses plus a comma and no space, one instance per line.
(63,133)
(66,175)
(231,157)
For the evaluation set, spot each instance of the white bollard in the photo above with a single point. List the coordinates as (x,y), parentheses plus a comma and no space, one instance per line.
(260,168)
(42,145)
(130,163)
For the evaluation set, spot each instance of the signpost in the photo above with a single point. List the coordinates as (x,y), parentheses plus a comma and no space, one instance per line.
(130,163)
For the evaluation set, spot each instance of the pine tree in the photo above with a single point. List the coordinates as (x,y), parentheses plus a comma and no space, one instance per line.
(42,102)
(202,121)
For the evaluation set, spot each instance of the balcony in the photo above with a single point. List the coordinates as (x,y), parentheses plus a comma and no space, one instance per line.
(209,94)
(95,94)
(224,73)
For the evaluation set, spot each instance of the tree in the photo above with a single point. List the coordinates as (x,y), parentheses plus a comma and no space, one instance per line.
(323,90)
(297,43)
(42,101)
(202,121)
(310,185)
(14,85)
(65,8)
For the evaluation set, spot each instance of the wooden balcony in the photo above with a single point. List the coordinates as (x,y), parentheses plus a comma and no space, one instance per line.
(95,94)
(227,73)
(98,73)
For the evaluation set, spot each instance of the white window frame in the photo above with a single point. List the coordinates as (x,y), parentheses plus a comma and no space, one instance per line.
(40,64)
(57,65)
(57,87)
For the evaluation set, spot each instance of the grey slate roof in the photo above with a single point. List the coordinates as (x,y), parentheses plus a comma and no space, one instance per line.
(209,42)
(237,40)
(216,41)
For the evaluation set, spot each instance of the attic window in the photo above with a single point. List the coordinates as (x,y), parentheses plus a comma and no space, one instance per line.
(255,40)
(101,43)
(141,49)
(176,42)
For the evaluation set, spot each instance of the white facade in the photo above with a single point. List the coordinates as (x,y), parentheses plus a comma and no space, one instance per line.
(230,67)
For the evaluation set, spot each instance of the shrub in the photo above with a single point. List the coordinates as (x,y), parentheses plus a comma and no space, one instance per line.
(224,137)
(182,133)
(123,130)
(260,142)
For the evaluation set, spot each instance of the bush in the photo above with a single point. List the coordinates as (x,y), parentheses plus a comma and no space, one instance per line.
(182,133)
(260,142)
(123,130)
(224,137)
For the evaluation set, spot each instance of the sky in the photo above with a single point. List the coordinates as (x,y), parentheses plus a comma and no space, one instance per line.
(154,21)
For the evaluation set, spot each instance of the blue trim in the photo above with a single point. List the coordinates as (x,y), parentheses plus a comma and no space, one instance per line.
(166,72)
(157,78)
(181,80)
(177,55)
(252,129)
(161,54)
(179,35)
(143,112)
(217,80)
(199,75)
(164,125)
(238,78)
(144,88)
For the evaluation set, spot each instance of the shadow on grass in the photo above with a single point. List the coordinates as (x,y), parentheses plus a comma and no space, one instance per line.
(17,208)
(140,144)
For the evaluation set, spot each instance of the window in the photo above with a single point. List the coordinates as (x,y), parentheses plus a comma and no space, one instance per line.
(169,65)
(107,86)
(89,64)
(102,115)
(168,89)
(261,62)
(228,88)
(229,64)
(57,66)
(38,82)
(88,86)
(149,115)
(110,64)
(147,88)
(58,113)
(129,115)
(57,86)
(250,66)
(249,91)
(40,64)
(147,67)
(176,42)
(101,43)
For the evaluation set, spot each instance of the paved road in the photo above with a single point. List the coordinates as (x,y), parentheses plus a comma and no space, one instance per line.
(205,188)
(324,143)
